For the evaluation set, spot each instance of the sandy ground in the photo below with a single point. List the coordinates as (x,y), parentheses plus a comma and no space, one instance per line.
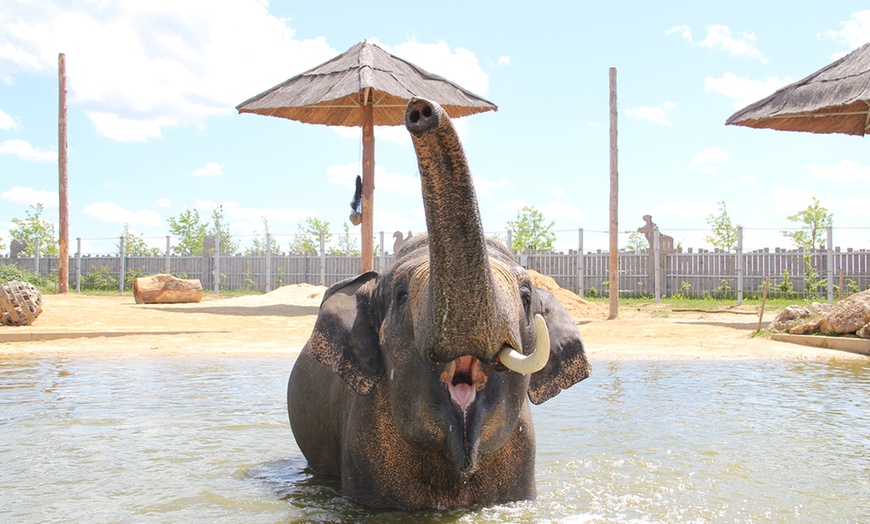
(279,323)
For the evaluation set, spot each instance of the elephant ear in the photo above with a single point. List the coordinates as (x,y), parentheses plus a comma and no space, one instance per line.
(344,337)
(567,365)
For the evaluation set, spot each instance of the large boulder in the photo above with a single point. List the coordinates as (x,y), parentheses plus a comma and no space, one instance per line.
(798,316)
(851,315)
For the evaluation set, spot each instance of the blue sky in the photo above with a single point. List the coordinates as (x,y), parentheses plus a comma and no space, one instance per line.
(153,130)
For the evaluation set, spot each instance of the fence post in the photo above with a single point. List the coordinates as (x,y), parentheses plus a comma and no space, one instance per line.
(580,268)
(78,265)
(510,241)
(740,265)
(383,262)
(168,257)
(322,258)
(268,262)
(36,257)
(217,261)
(830,265)
(657,273)
(123,263)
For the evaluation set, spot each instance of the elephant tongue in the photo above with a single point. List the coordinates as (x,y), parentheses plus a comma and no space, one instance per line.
(465,380)
(463,394)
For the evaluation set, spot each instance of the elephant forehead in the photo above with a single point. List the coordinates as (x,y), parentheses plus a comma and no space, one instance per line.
(504,276)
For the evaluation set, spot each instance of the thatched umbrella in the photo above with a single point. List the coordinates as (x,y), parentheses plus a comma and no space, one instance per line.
(362,87)
(834,99)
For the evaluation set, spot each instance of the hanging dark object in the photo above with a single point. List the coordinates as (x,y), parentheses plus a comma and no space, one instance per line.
(356,203)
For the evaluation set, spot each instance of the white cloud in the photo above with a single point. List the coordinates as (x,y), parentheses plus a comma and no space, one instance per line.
(854,32)
(344,175)
(749,180)
(744,90)
(163,202)
(657,115)
(168,63)
(843,172)
(116,127)
(209,170)
(459,66)
(787,200)
(115,214)
(504,61)
(720,38)
(6,121)
(25,151)
(30,196)
(710,155)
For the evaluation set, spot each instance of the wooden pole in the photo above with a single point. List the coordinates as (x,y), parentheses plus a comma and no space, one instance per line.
(63,234)
(613,276)
(763,302)
(368,189)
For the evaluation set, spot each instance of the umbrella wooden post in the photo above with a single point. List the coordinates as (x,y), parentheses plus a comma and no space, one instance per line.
(368,189)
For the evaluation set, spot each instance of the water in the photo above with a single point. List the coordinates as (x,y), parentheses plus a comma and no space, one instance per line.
(173,439)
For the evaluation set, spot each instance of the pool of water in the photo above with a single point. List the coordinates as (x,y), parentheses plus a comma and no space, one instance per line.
(174,439)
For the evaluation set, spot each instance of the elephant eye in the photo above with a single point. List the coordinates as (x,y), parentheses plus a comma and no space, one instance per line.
(526,296)
(401,297)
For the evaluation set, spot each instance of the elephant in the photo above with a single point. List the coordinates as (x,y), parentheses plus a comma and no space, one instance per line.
(415,384)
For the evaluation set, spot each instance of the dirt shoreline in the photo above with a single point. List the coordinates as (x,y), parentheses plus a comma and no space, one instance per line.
(279,323)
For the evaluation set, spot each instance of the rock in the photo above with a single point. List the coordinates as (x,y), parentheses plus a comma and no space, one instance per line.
(864,332)
(20,303)
(850,315)
(793,316)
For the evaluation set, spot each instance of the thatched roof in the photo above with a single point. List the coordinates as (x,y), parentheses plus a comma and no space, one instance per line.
(834,99)
(329,93)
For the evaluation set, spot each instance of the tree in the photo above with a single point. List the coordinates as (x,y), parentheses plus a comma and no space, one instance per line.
(188,231)
(814,220)
(724,233)
(258,245)
(135,245)
(306,241)
(636,242)
(221,228)
(34,227)
(530,231)
(346,244)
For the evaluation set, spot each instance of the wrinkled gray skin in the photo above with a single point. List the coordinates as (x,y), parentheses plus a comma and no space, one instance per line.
(399,390)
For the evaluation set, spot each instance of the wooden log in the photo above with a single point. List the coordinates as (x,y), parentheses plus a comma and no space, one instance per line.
(166,289)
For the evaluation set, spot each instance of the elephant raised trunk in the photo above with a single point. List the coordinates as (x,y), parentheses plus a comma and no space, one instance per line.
(463,285)
(458,263)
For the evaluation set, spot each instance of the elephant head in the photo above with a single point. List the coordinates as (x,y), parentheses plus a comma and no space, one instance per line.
(443,350)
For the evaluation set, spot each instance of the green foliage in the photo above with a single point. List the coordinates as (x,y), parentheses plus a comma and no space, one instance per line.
(814,220)
(188,231)
(258,244)
(785,286)
(99,279)
(346,244)
(723,232)
(531,231)
(636,242)
(12,272)
(220,228)
(134,245)
(306,241)
(33,227)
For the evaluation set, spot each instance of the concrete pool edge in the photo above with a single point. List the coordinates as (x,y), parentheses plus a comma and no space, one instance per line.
(853,345)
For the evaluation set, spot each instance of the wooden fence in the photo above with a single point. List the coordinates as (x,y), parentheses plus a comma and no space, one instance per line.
(692,274)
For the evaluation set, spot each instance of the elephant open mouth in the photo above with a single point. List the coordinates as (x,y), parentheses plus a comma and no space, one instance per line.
(463,378)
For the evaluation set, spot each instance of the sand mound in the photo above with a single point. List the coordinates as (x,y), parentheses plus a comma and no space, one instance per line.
(576,306)
(308,295)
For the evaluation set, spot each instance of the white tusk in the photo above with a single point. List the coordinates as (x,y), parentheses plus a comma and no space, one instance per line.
(528,364)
